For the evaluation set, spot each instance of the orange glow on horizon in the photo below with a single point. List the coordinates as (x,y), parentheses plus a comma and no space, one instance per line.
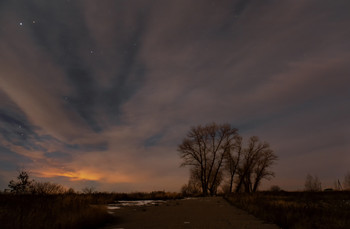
(80,175)
(87,175)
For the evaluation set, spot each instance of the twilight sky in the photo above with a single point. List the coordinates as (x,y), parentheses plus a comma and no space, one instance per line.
(100,93)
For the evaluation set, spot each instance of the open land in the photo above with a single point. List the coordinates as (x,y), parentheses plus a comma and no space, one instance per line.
(288,210)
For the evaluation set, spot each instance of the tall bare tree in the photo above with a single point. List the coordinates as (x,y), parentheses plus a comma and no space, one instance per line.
(346,182)
(265,159)
(194,186)
(204,149)
(257,158)
(233,157)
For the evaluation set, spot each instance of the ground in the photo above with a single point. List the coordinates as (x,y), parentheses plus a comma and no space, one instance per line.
(201,213)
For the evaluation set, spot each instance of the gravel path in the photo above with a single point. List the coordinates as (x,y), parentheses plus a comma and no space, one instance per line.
(201,213)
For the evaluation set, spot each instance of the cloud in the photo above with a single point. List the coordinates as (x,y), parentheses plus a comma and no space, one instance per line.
(105,91)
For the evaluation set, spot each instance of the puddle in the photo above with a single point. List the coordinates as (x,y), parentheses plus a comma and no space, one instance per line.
(120,204)
(139,202)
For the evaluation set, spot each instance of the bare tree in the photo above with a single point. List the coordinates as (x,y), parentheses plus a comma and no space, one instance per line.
(22,185)
(312,184)
(257,158)
(264,160)
(337,185)
(346,182)
(70,191)
(89,190)
(193,187)
(205,148)
(233,157)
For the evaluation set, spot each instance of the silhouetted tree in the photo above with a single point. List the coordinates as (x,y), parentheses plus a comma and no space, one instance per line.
(233,157)
(312,184)
(23,184)
(346,182)
(264,161)
(337,185)
(275,188)
(70,191)
(204,149)
(193,187)
(88,190)
(256,160)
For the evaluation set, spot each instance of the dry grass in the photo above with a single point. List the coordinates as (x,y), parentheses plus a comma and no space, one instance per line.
(298,210)
(51,211)
(64,210)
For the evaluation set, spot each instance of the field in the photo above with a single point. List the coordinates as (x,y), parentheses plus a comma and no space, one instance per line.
(64,210)
(289,210)
(298,210)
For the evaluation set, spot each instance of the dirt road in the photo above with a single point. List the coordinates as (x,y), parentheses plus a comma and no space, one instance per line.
(199,213)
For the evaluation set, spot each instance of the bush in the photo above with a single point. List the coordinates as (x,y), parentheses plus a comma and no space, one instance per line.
(47,188)
(275,188)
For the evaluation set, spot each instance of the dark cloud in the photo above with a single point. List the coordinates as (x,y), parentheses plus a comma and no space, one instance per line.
(15,128)
(9,160)
(59,155)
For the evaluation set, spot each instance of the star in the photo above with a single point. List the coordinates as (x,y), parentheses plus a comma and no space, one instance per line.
(20,23)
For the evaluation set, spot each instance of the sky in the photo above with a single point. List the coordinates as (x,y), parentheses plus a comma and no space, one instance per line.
(100,93)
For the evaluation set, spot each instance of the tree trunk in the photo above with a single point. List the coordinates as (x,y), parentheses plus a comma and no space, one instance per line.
(231,183)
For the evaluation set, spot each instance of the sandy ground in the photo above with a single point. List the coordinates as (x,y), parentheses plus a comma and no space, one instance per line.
(213,212)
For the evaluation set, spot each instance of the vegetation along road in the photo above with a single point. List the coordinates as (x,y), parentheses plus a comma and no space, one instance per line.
(211,212)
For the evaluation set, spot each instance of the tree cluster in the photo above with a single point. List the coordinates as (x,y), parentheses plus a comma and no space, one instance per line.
(216,153)
(24,185)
